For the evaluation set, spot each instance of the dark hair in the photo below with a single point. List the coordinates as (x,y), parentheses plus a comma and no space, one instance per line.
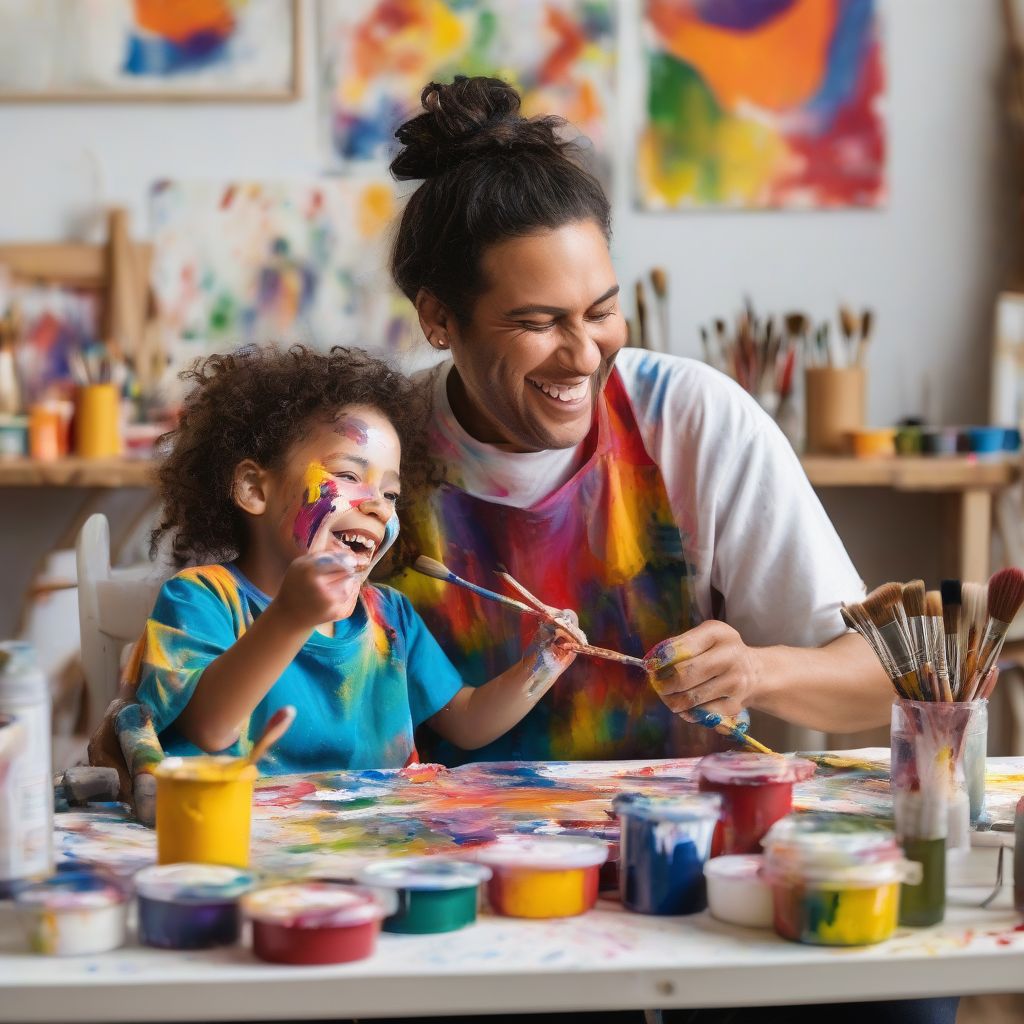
(489,174)
(255,404)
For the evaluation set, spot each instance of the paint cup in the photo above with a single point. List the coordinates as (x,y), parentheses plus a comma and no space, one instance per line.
(834,398)
(869,444)
(98,421)
(756,791)
(835,879)
(939,440)
(986,442)
(433,894)
(203,810)
(1011,439)
(13,437)
(315,922)
(663,846)
(737,894)
(975,756)
(190,906)
(44,433)
(542,876)
(931,806)
(74,913)
(908,440)
(1018,857)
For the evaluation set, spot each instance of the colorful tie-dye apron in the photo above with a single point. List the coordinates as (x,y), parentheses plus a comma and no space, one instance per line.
(604,544)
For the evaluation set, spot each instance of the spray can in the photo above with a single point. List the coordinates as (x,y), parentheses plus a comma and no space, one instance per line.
(26,796)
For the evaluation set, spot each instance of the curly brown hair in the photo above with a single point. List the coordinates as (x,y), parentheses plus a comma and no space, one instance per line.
(255,403)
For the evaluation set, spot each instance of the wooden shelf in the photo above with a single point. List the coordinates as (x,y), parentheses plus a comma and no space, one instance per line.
(912,472)
(76,472)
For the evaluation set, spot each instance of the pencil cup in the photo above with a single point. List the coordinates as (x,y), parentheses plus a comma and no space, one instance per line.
(931,806)
(98,421)
(835,398)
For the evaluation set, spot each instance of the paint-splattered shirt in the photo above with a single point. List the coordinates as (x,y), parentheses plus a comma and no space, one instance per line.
(359,694)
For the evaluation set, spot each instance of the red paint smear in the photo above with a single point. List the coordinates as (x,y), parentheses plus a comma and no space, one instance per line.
(287,795)
(228,196)
(571,41)
(825,172)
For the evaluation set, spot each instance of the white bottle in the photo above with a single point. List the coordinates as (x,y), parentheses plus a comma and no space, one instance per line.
(26,797)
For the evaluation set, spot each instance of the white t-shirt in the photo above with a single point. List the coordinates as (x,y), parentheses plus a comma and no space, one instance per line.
(768,560)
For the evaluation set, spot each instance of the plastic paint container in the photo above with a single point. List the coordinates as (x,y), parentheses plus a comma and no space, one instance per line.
(1018,857)
(315,922)
(908,440)
(542,876)
(190,906)
(13,436)
(433,894)
(737,894)
(835,879)
(866,444)
(939,441)
(756,790)
(664,844)
(1011,439)
(203,810)
(74,913)
(986,440)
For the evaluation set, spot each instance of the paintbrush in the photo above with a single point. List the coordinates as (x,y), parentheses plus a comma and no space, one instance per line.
(867,323)
(659,282)
(950,591)
(850,325)
(641,316)
(439,571)
(913,598)
(884,607)
(974,598)
(571,628)
(935,641)
(727,727)
(1005,596)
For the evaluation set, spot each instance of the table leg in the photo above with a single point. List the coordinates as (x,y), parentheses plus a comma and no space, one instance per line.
(973,535)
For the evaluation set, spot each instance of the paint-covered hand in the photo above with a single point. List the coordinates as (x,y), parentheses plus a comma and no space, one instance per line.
(549,654)
(319,588)
(710,666)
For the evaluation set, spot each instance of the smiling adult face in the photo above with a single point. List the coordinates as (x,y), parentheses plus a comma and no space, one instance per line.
(540,341)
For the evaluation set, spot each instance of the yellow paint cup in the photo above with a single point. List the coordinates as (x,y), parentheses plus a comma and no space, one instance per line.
(203,810)
(98,421)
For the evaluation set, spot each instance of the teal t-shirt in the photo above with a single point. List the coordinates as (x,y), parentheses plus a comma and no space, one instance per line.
(359,694)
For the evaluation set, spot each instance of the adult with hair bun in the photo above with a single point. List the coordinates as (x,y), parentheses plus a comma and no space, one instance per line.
(646,491)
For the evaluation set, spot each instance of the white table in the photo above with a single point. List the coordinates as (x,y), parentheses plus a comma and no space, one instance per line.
(606,960)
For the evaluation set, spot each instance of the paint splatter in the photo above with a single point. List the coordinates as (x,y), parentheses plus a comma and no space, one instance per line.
(354,429)
(318,502)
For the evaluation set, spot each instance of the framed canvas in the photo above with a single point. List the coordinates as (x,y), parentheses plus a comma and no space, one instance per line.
(376,56)
(149,50)
(761,104)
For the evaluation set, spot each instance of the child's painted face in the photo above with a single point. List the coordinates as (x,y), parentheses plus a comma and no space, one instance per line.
(341,485)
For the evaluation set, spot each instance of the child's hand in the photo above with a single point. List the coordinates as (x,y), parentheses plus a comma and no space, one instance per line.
(549,654)
(319,588)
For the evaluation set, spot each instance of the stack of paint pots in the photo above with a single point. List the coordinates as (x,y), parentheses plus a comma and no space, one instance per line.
(835,879)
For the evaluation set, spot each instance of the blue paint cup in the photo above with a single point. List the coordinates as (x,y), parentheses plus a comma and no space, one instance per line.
(1011,439)
(987,440)
(190,906)
(664,844)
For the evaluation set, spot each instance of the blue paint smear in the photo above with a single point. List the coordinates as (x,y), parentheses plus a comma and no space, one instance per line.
(155,56)
(850,42)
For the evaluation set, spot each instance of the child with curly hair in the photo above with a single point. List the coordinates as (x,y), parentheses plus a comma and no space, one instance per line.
(280,495)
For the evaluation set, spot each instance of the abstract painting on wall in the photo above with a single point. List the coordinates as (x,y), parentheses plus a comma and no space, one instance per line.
(376,56)
(145,49)
(762,103)
(257,262)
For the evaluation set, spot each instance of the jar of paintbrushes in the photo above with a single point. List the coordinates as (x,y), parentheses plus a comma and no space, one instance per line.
(939,649)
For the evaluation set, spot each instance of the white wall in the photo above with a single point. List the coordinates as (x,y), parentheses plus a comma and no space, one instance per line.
(929,263)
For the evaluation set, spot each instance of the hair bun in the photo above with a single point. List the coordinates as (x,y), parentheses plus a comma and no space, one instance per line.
(471,118)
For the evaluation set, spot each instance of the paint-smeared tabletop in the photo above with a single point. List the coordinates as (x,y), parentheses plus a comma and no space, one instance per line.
(607,959)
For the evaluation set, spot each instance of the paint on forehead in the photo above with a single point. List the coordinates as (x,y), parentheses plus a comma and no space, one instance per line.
(354,429)
(319,492)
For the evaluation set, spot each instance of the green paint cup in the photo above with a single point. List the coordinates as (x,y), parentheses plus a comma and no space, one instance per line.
(434,894)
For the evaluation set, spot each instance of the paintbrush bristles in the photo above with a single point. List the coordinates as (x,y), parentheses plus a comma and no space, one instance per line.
(914,598)
(1005,594)
(880,605)
(933,604)
(432,567)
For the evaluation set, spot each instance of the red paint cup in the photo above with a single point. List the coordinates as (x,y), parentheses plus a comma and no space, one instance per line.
(315,922)
(756,791)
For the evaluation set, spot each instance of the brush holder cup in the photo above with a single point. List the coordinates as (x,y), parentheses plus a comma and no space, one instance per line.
(835,402)
(931,806)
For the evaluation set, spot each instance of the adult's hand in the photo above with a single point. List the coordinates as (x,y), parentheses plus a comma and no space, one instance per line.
(709,666)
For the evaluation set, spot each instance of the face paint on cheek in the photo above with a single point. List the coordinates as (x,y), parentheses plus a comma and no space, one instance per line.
(318,497)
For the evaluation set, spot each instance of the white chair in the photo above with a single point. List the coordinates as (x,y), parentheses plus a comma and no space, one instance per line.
(113,605)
